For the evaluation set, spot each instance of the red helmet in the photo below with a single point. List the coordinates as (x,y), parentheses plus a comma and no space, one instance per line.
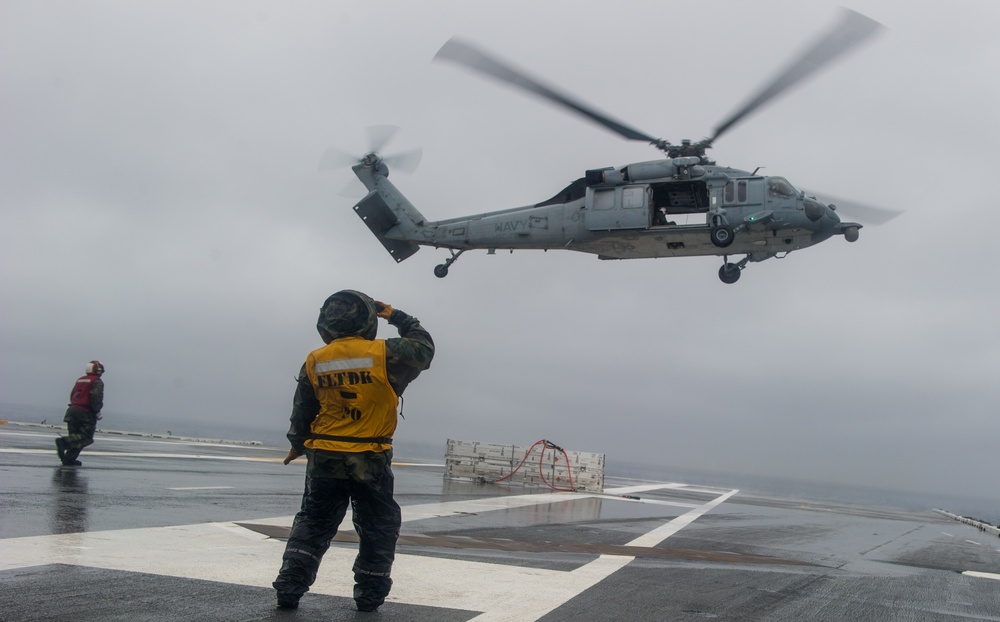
(95,367)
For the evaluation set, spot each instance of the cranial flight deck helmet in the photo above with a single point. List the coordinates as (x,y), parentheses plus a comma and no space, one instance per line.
(95,367)
(347,313)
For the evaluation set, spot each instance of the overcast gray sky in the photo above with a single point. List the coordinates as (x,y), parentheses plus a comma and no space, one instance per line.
(162,211)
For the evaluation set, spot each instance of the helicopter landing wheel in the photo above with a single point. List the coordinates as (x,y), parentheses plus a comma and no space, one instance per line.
(722,236)
(441,270)
(729,273)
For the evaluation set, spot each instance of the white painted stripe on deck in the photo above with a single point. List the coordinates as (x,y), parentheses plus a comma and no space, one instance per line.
(127,454)
(631,490)
(676,504)
(492,504)
(982,575)
(665,531)
(486,504)
(146,454)
(134,439)
(201,488)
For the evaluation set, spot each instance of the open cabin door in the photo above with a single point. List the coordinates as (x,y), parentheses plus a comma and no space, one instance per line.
(618,207)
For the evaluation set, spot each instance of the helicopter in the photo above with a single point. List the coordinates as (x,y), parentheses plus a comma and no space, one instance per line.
(632,211)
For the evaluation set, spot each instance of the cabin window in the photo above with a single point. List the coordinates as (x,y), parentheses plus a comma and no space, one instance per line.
(736,191)
(634,197)
(604,199)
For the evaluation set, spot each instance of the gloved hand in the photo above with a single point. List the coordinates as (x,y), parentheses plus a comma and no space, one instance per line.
(292,455)
(384,310)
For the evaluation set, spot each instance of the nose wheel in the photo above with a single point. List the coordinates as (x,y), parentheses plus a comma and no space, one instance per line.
(441,270)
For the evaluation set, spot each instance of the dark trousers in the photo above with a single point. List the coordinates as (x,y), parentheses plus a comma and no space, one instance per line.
(376,519)
(80,425)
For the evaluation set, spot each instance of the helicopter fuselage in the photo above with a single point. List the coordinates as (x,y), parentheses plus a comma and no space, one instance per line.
(662,208)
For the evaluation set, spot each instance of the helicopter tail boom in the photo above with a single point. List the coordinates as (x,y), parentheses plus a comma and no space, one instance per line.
(385,211)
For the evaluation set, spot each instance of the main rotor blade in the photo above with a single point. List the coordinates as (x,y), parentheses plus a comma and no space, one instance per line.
(868,214)
(464,54)
(853,29)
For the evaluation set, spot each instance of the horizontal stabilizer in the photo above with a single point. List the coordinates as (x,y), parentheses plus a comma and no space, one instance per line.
(379,217)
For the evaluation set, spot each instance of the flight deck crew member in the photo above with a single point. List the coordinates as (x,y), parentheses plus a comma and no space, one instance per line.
(343,419)
(85,403)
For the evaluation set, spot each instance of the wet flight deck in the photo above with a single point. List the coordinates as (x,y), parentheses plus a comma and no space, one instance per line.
(156,529)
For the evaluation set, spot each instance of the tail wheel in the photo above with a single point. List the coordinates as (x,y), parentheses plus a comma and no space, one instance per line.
(441,270)
(729,273)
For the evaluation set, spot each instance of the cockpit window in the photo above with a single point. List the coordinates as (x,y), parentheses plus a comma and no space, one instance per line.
(779,187)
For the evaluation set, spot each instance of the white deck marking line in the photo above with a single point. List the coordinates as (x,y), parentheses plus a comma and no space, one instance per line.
(973,542)
(663,532)
(201,488)
(128,454)
(487,504)
(491,504)
(631,490)
(220,552)
(134,439)
(982,575)
(676,504)
(125,454)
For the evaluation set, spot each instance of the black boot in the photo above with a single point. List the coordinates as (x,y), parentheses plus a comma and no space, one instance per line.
(61,448)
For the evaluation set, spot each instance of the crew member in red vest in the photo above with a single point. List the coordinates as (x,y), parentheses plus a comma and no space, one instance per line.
(343,419)
(85,403)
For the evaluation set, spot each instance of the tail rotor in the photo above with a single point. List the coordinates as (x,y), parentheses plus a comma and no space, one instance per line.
(378,137)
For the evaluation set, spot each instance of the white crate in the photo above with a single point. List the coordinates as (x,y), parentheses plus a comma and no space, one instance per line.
(544,466)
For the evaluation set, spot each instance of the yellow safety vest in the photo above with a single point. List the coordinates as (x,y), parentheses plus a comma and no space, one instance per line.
(357,403)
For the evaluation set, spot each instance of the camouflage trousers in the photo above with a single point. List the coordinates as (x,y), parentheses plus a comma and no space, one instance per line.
(80,425)
(334,480)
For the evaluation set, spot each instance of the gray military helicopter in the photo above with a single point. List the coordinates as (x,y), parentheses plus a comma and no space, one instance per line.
(631,211)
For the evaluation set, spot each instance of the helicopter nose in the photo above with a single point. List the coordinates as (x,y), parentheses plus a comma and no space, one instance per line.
(814,210)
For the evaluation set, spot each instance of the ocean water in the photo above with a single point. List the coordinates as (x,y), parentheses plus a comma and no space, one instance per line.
(984,509)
